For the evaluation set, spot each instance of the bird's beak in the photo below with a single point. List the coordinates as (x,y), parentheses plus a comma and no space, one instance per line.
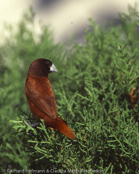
(53,68)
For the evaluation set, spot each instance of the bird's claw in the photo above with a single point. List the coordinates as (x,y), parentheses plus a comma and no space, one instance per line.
(32,125)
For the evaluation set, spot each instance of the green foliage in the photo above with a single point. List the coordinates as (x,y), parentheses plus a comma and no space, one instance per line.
(92,90)
(16,54)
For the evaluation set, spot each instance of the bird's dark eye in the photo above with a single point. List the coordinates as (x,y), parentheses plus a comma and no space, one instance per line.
(48,63)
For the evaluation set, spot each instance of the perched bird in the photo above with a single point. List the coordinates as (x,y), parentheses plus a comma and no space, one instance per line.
(134,96)
(41,98)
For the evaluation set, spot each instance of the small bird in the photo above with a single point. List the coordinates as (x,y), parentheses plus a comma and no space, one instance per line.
(41,98)
(134,96)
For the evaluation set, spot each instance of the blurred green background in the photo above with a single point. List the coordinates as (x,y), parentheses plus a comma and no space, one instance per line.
(91,87)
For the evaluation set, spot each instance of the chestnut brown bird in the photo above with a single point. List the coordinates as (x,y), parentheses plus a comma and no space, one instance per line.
(41,98)
(134,96)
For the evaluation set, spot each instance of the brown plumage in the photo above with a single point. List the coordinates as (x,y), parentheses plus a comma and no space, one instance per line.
(134,96)
(41,98)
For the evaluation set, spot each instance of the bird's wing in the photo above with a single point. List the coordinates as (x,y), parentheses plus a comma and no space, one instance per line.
(40,92)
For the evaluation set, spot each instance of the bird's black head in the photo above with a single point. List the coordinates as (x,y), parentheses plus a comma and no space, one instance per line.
(41,67)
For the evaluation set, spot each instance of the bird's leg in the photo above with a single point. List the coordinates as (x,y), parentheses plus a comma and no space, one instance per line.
(32,125)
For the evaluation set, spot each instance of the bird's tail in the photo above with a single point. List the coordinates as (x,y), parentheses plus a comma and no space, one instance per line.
(60,125)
